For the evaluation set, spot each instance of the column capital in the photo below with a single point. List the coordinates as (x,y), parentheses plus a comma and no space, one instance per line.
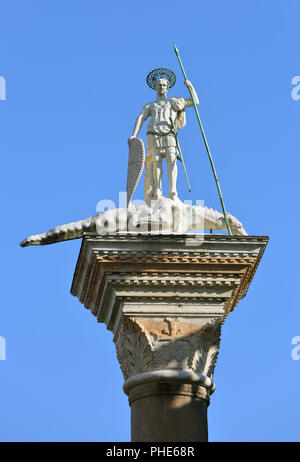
(172,349)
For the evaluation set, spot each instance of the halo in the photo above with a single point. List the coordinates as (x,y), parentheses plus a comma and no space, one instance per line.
(161,73)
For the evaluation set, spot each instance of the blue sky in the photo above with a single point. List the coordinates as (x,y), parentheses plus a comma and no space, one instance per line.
(75,82)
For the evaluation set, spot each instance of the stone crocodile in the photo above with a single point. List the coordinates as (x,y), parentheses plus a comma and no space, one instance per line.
(164,214)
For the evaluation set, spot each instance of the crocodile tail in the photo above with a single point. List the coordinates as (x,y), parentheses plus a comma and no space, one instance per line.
(61,233)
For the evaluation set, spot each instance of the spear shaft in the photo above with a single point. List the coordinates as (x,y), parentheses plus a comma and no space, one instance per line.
(205,142)
(180,156)
(183,164)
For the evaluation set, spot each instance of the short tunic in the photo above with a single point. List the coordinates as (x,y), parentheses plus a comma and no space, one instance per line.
(161,112)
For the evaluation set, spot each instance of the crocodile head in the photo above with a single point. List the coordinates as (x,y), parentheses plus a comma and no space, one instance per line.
(235,225)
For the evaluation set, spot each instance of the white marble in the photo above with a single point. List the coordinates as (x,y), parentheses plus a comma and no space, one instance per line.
(163,215)
(165,114)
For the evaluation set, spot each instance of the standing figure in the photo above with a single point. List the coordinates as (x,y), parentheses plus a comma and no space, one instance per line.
(167,116)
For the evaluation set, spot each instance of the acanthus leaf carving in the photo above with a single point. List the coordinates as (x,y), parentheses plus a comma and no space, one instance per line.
(134,351)
(146,345)
(205,354)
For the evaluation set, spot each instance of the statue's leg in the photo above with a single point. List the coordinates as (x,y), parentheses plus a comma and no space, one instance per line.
(151,179)
(157,174)
(172,170)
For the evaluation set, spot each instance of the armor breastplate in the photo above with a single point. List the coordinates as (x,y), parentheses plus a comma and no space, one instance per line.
(160,116)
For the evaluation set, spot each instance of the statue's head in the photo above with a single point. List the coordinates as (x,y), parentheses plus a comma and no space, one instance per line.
(161,79)
(162,86)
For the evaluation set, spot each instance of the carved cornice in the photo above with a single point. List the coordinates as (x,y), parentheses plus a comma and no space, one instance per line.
(156,265)
(152,266)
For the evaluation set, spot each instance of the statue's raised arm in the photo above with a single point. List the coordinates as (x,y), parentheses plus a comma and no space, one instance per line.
(189,85)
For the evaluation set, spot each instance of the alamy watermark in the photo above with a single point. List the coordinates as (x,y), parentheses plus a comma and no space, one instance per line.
(295,353)
(2,88)
(153,218)
(296,90)
(2,349)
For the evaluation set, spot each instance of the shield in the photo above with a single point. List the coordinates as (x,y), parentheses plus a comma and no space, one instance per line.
(136,162)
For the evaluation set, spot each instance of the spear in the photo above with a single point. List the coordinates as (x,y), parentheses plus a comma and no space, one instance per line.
(206,144)
(180,156)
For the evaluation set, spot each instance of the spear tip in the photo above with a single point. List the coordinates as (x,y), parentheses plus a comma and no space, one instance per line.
(176,50)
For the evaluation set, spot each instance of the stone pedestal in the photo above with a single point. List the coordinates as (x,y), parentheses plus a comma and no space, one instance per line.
(165,298)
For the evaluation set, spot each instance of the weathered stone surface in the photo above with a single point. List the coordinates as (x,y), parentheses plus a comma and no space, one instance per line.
(174,412)
(171,274)
(147,345)
(165,298)
(162,215)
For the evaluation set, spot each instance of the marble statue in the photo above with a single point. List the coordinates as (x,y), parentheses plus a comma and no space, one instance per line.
(158,214)
(167,115)
(164,214)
